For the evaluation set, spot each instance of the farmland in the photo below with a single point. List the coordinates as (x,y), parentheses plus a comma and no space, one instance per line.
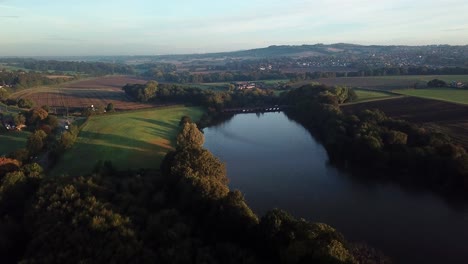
(368,95)
(134,139)
(448,117)
(11,141)
(445,94)
(386,82)
(83,93)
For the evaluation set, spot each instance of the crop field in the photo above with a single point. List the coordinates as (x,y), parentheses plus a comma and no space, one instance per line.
(134,139)
(448,117)
(386,82)
(12,140)
(445,94)
(84,93)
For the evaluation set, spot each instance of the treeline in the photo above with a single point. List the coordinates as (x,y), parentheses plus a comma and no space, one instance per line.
(75,67)
(21,79)
(386,147)
(209,77)
(184,213)
(165,73)
(154,92)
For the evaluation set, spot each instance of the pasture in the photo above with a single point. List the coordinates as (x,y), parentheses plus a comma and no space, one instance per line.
(84,93)
(368,95)
(134,139)
(12,140)
(445,94)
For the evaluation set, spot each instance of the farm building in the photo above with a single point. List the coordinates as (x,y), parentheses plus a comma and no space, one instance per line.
(456,84)
(245,85)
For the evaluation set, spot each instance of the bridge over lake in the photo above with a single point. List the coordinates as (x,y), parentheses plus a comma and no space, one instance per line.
(257,109)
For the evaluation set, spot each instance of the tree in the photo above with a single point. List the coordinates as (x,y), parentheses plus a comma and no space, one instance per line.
(20,120)
(110,107)
(25,103)
(8,165)
(184,120)
(4,94)
(52,121)
(150,90)
(35,142)
(394,137)
(436,83)
(190,137)
(37,114)
(67,140)
(46,108)
(200,174)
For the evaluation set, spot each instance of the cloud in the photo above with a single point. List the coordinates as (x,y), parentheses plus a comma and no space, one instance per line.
(9,16)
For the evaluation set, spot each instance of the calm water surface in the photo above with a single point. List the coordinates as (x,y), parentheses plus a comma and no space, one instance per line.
(276,163)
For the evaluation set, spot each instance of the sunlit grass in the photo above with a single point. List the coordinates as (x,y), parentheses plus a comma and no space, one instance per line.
(138,139)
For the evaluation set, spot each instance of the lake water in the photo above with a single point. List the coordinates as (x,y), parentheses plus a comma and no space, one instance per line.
(276,163)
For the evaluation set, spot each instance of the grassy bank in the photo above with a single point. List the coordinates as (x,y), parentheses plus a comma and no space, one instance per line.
(445,94)
(12,140)
(138,139)
(368,95)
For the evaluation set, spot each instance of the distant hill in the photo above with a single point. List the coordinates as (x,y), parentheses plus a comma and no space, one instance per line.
(444,52)
(319,50)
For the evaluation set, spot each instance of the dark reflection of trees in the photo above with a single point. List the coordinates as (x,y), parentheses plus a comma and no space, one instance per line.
(369,176)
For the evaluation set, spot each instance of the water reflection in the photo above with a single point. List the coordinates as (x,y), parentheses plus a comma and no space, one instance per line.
(275,162)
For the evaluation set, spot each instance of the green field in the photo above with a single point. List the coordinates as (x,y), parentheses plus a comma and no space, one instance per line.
(445,94)
(137,139)
(12,140)
(223,86)
(367,95)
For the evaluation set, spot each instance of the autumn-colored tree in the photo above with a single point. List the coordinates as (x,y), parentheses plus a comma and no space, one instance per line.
(8,165)
(190,137)
(37,114)
(20,120)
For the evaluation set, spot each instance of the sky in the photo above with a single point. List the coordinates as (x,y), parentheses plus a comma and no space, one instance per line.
(141,27)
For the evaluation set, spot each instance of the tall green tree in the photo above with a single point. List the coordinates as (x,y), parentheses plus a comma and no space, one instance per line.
(36,142)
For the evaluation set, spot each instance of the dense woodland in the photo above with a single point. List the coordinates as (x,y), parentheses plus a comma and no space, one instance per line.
(387,148)
(152,91)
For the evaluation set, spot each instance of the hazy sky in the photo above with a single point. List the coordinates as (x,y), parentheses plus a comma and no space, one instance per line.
(139,27)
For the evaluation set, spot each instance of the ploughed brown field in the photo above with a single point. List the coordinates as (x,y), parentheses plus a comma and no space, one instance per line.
(84,93)
(448,117)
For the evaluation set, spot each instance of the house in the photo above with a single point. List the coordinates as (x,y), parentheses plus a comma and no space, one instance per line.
(456,84)
(244,85)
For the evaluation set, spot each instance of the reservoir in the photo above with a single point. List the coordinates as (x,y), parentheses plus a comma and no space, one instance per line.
(277,163)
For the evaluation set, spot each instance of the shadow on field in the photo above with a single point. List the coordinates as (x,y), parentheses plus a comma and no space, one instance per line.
(82,158)
(115,141)
(166,130)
